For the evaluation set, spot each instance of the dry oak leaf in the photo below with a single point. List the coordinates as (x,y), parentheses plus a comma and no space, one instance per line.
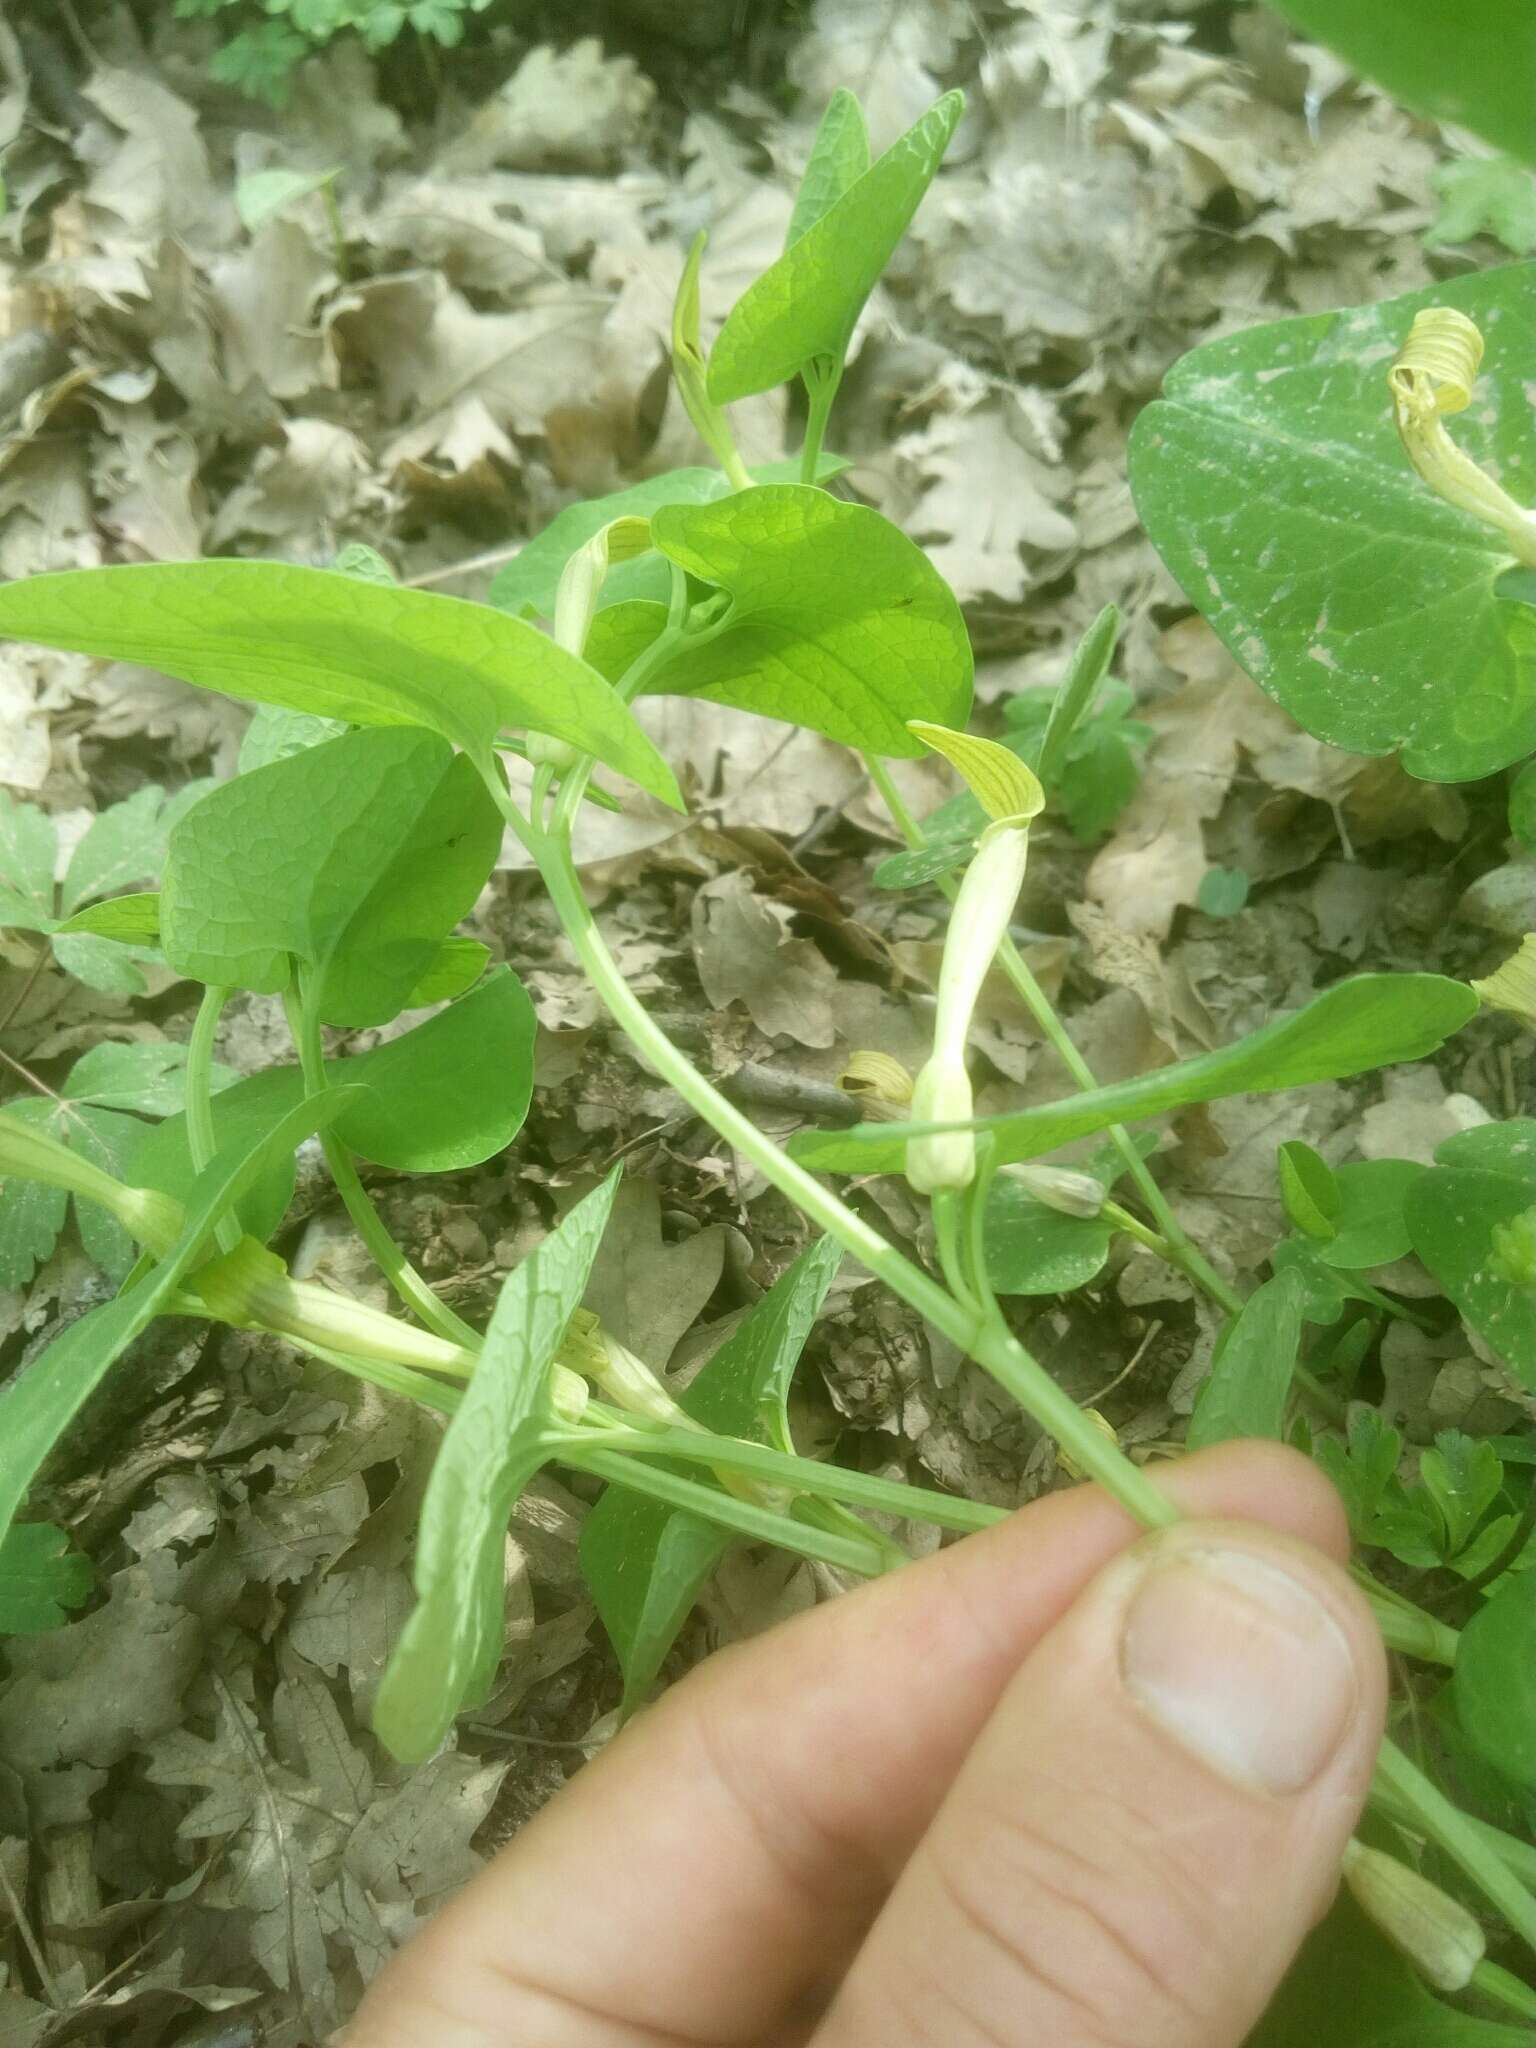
(742,954)
(574,108)
(648,1292)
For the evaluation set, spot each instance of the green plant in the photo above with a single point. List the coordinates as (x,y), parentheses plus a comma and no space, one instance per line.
(335,868)
(266,45)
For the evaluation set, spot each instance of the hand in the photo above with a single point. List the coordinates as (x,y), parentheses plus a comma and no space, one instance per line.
(1052,1785)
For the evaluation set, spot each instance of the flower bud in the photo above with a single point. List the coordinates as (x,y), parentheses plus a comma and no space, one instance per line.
(1057,1187)
(588,1349)
(568,1393)
(1436,1933)
(251,1288)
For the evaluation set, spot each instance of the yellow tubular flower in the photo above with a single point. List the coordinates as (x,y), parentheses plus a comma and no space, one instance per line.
(977,926)
(880,1085)
(1433,375)
(1011,795)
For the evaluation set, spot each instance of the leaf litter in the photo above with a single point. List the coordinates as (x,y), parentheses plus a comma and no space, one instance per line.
(192,362)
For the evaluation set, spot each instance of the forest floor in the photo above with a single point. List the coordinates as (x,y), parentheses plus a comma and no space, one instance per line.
(199,1839)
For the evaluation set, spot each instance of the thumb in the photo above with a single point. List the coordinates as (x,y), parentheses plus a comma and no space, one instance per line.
(1152,1819)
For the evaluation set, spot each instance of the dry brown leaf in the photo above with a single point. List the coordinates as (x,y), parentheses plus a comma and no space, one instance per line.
(265,302)
(990,512)
(742,954)
(153,173)
(572,108)
(648,1292)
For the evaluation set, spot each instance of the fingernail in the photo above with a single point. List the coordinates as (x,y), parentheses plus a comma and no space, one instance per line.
(1239,1661)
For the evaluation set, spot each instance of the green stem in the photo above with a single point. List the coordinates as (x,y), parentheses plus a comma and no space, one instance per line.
(821,390)
(1513,1850)
(1177,1248)
(945,1207)
(760,1525)
(199,1091)
(993,1347)
(1504,1988)
(807,1475)
(1434,1816)
(413,1290)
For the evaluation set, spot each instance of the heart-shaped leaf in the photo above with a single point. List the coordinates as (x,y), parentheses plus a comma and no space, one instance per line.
(804,308)
(1273,483)
(527,584)
(495,1443)
(837,621)
(1454,1213)
(447,1095)
(839,158)
(356,857)
(1371,1226)
(342,647)
(1469,65)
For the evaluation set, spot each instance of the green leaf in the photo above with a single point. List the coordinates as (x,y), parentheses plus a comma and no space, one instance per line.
(1469,65)
(126,844)
(838,622)
(148,1080)
(1372,1020)
(320,641)
(129,920)
(527,584)
(40,1577)
(31,1215)
(28,847)
(37,1406)
(1308,1189)
(1351,1989)
(1222,891)
(1485,196)
(1453,1213)
(457,966)
(1370,1226)
(804,307)
(839,158)
(645,1562)
(447,1095)
(260,195)
(923,864)
(1508,1147)
(1462,1476)
(273,734)
(447,1657)
(357,857)
(1250,1378)
(1494,1686)
(1522,806)
(1273,483)
(87,1116)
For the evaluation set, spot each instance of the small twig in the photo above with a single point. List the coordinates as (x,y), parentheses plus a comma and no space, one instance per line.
(29,1939)
(770,1089)
(26,1074)
(1154,1331)
(493,560)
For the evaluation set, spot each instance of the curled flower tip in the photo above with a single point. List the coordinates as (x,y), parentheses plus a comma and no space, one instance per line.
(1436,1933)
(1512,987)
(1433,376)
(880,1085)
(1007,790)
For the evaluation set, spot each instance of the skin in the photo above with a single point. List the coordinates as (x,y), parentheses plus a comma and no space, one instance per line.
(944,1810)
